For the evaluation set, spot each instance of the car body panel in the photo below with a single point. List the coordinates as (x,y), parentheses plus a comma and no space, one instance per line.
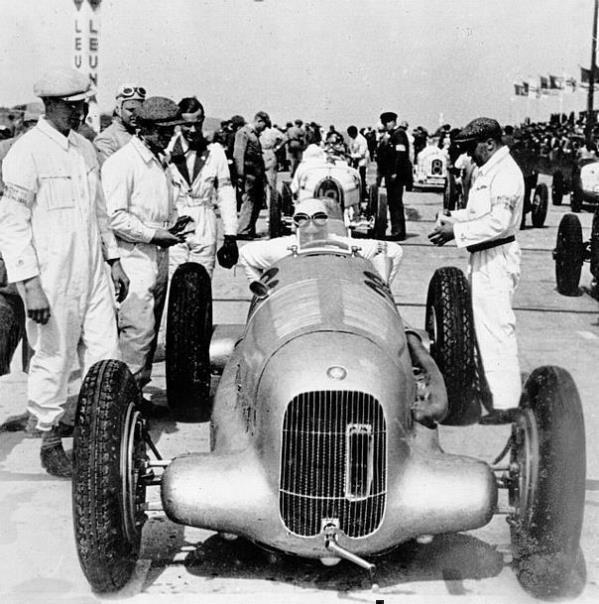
(312,425)
(431,168)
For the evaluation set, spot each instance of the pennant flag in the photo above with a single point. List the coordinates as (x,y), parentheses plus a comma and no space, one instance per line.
(520,90)
(556,82)
(544,81)
(585,77)
(526,88)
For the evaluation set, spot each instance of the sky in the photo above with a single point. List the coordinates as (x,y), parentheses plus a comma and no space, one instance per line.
(333,61)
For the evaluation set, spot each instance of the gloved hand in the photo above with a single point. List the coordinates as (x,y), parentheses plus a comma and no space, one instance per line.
(228,254)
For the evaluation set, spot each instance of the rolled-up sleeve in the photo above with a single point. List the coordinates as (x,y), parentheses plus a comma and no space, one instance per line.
(257,256)
(16,239)
(117,182)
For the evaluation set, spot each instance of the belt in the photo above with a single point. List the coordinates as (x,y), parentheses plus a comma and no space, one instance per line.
(487,245)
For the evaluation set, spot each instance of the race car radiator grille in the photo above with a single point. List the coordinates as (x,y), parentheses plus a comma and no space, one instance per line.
(333,463)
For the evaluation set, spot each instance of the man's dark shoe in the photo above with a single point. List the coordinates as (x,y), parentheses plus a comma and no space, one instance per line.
(395,237)
(65,430)
(498,417)
(55,461)
(15,423)
(151,411)
(247,237)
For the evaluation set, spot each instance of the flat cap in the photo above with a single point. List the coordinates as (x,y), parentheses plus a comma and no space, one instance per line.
(64,83)
(237,120)
(480,129)
(161,111)
(388,116)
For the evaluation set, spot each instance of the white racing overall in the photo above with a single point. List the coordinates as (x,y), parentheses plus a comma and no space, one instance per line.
(140,200)
(53,223)
(493,213)
(210,181)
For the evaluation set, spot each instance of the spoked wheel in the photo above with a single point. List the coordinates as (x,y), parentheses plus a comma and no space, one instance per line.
(12,324)
(450,326)
(539,205)
(188,334)
(274,216)
(557,188)
(109,476)
(546,486)
(568,255)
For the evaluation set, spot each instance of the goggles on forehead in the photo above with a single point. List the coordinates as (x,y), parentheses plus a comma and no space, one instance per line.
(127,91)
(318,218)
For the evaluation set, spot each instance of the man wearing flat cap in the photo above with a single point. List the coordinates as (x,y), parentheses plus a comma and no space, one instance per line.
(393,162)
(487,229)
(141,205)
(55,237)
(129,98)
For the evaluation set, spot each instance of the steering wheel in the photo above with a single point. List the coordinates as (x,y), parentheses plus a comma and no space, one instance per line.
(325,243)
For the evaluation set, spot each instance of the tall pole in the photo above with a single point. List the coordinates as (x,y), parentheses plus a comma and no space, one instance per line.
(86,47)
(590,112)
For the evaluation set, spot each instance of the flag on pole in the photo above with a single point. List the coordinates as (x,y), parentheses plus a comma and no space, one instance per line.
(585,77)
(543,85)
(556,82)
(520,89)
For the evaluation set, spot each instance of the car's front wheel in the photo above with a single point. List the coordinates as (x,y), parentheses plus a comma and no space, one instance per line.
(547,486)
(109,493)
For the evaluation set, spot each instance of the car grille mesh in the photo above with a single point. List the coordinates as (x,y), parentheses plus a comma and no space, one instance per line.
(333,463)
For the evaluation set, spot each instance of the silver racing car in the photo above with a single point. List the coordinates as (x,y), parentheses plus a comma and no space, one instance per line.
(324,437)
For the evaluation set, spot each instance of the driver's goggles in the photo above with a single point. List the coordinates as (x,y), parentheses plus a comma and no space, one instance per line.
(126,91)
(301,219)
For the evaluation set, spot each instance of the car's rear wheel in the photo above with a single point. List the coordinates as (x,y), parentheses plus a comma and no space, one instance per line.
(576,194)
(274,216)
(109,460)
(188,334)
(539,205)
(547,486)
(287,206)
(377,208)
(454,348)
(557,188)
(568,255)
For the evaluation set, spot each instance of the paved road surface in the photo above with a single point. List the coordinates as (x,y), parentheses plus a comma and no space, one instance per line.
(37,550)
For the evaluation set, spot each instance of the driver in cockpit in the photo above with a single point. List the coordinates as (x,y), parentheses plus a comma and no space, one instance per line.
(314,225)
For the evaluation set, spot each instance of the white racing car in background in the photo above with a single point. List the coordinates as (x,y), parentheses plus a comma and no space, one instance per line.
(430,170)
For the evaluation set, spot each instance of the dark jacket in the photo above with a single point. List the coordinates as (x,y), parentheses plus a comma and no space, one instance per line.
(247,153)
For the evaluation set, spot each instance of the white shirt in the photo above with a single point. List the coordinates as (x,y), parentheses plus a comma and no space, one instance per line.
(213,181)
(139,194)
(53,217)
(257,256)
(495,201)
(358,149)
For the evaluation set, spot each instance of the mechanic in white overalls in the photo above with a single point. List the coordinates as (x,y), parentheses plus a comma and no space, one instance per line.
(200,174)
(487,229)
(141,205)
(54,237)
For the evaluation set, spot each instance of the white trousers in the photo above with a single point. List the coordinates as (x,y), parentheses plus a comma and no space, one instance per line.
(81,331)
(139,314)
(494,276)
